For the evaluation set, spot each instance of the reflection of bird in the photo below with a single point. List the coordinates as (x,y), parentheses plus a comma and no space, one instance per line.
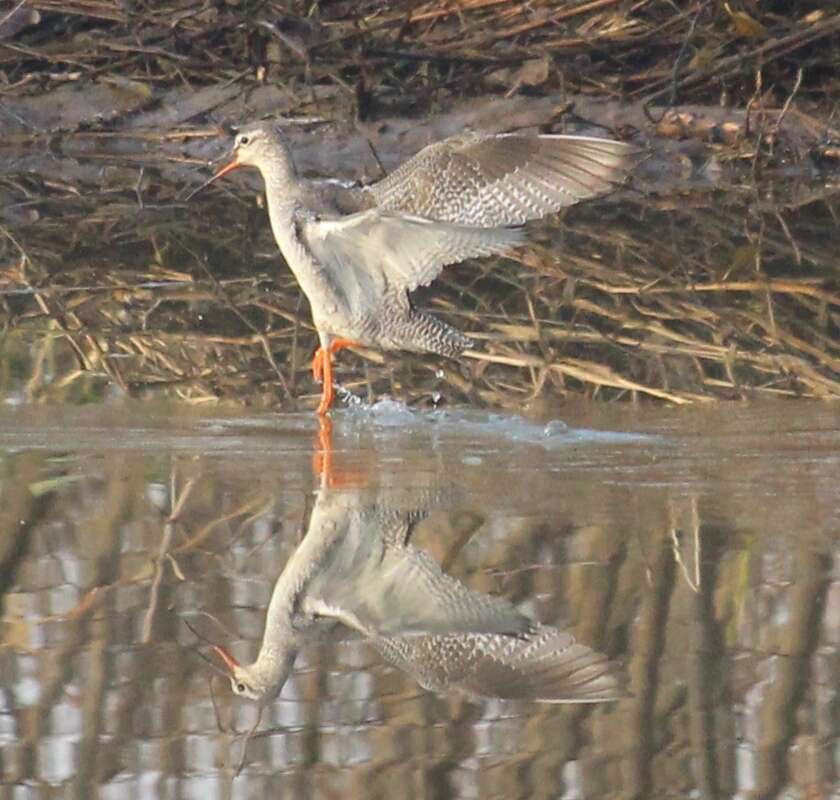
(358,253)
(356,566)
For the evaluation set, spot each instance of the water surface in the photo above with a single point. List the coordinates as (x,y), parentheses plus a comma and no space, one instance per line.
(697,548)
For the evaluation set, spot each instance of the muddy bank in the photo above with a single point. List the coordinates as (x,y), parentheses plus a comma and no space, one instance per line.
(162,82)
(711,275)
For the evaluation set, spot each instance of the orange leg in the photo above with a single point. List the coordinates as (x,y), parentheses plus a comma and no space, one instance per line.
(318,364)
(322,371)
(322,458)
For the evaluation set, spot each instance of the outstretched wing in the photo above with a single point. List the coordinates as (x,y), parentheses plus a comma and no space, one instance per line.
(493,180)
(381,588)
(408,251)
(549,666)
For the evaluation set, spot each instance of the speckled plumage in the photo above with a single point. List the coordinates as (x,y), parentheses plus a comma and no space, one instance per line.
(489,180)
(547,665)
(373,260)
(398,327)
(358,253)
(357,566)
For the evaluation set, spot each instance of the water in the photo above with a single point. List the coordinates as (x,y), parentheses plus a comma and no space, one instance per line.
(697,548)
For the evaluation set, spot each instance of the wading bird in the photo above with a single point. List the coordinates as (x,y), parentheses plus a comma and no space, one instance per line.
(357,566)
(359,252)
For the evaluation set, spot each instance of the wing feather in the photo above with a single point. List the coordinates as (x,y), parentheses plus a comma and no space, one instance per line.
(383,589)
(406,250)
(485,180)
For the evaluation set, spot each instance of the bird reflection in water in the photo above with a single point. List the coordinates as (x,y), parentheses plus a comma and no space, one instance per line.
(357,566)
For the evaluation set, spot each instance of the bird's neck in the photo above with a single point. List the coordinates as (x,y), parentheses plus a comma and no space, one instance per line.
(282,197)
(282,185)
(283,190)
(283,622)
(279,645)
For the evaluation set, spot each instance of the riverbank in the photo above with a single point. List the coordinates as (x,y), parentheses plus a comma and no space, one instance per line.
(711,276)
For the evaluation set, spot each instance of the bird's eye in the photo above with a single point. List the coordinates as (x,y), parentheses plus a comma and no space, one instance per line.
(244,139)
(240,687)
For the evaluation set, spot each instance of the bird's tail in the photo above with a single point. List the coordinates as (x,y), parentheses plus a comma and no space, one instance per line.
(428,334)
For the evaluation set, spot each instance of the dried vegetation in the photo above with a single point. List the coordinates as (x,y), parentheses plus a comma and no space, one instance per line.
(713,276)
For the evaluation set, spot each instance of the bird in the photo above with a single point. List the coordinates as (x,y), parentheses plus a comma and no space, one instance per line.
(356,566)
(359,252)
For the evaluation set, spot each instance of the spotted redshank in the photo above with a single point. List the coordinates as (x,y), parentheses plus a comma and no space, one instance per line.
(358,253)
(357,566)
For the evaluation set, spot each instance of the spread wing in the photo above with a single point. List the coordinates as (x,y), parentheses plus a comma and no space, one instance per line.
(385,590)
(407,251)
(549,666)
(493,180)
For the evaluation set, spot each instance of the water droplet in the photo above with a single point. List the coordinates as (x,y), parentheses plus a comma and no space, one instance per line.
(391,413)
(555,428)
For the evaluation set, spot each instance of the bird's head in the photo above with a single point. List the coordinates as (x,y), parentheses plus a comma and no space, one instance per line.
(255,146)
(261,145)
(260,681)
(257,143)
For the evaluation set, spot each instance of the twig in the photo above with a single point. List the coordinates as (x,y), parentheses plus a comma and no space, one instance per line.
(10,14)
(259,334)
(248,736)
(681,54)
(788,102)
(769,51)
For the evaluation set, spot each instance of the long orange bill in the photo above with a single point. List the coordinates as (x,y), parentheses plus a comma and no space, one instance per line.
(229,167)
(230,662)
(215,667)
(202,638)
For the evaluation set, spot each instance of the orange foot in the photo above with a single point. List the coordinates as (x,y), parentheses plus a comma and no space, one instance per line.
(322,371)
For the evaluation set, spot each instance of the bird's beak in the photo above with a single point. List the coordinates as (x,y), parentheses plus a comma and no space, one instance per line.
(230,662)
(229,167)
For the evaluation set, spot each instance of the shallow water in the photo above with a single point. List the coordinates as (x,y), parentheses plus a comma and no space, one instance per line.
(699,549)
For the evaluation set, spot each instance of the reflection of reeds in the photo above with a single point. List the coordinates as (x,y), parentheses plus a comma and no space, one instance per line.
(722,299)
(697,700)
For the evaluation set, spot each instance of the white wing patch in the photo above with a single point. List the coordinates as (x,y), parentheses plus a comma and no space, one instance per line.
(408,251)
